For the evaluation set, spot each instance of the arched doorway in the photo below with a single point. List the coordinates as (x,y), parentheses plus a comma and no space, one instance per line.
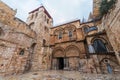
(30,58)
(72,57)
(60,63)
(58,59)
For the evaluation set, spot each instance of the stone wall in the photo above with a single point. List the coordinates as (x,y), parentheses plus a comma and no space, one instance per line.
(11,44)
(7,17)
(37,45)
(73,26)
(16,39)
(110,23)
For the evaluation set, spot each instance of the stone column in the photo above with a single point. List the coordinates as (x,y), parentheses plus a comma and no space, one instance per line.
(91,48)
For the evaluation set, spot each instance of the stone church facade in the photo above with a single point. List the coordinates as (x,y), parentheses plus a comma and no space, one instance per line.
(38,45)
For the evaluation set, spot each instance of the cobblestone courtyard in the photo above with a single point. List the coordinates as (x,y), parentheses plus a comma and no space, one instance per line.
(60,75)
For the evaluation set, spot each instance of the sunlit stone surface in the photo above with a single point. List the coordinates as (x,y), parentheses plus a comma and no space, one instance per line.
(60,75)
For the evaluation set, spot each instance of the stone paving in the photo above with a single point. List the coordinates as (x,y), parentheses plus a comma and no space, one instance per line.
(60,75)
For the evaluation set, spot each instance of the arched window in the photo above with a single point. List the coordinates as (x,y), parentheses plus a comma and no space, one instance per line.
(32,47)
(60,35)
(70,33)
(22,52)
(31,25)
(99,46)
(85,29)
(46,29)
(47,20)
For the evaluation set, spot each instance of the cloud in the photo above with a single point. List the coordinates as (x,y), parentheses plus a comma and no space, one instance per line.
(66,10)
(23,7)
(60,10)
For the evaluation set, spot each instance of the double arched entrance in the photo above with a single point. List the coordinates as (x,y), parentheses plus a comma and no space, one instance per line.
(67,58)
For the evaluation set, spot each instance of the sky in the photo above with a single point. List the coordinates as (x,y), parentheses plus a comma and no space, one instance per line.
(61,10)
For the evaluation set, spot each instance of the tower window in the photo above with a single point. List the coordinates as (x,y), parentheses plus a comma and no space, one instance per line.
(47,20)
(60,35)
(1,31)
(44,42)
(46,29)
(22,52)
(45,17)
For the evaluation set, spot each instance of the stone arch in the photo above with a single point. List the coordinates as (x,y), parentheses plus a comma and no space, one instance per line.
(32,47)
(85,28)
(58,52)
(22,52)
(31,25)
(101,43)
(56,31)
(72,56)
(101,38)
(70,30)
(72,51)
(107,65)
(70,27)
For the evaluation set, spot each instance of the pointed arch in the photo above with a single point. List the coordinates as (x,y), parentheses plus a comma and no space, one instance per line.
(56,31)
(70,27)
(58,52)
(101,38)
(72,51)
(99,45)
(85,28)
(31,25)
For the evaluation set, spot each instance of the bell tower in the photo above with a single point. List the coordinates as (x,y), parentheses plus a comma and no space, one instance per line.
(40,21)
(96,5)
